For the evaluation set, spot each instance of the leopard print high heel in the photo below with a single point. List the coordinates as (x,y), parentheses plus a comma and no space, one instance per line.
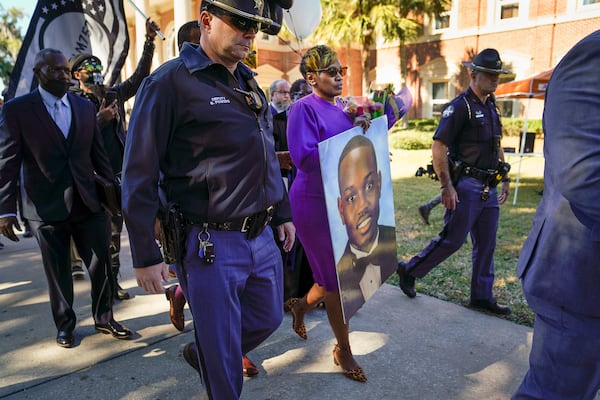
(295,306)
(356,374)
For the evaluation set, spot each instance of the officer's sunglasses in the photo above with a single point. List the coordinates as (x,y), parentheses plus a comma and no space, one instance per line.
(240,23)
(333,71)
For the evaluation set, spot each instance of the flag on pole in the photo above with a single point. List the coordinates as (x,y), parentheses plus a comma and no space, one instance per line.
(73,26)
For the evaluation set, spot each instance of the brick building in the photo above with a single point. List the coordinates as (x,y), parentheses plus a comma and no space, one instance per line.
(531,36)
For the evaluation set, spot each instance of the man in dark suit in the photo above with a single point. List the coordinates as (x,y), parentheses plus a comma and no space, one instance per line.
(52,136)
(370,254)
(559,265)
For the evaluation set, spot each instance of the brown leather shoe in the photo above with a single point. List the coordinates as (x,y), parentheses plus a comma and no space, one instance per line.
(190,355)
(248,367)
(176,304)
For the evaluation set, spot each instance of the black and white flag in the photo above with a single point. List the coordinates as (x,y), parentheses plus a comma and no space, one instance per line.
(97,27)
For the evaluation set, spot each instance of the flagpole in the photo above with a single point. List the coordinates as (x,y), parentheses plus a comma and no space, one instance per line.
(158,32)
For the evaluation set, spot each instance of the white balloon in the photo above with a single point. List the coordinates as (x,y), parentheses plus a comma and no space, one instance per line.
(303,18)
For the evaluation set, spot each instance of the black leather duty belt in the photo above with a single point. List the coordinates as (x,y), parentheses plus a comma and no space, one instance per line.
(482,175)
(252,225)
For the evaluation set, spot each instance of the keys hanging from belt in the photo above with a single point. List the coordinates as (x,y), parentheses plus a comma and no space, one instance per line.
(206,249)
(485,193)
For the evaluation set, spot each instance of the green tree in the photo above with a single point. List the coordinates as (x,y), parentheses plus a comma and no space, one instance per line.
(10,40)
(347,22)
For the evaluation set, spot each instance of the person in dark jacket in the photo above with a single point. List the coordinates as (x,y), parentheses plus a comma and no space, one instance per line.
(201,131)
(558,264)
(50,139)
(110,115)
(297,276)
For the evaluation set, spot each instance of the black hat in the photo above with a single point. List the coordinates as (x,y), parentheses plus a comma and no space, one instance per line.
(488,60)
(77,60)
(250,9)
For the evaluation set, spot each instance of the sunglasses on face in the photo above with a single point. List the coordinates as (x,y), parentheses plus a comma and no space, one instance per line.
(91,67)
(240,23)
(333,71)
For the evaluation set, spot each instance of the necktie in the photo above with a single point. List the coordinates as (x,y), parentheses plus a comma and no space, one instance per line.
(60,117)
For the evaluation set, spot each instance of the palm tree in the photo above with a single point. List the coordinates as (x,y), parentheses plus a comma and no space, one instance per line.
(10,40)
(346,22)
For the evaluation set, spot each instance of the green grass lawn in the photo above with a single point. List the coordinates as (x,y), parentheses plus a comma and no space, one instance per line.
(451,280)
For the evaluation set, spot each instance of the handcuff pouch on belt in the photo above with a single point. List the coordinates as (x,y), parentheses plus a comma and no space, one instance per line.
(172,233)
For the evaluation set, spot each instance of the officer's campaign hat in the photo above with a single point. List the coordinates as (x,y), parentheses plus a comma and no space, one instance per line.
(249,9)
(488,60)
(268,13)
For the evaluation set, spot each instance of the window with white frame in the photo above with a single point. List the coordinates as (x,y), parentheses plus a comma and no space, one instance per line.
(442,22)
(508,9)
(439,97)
(584,6)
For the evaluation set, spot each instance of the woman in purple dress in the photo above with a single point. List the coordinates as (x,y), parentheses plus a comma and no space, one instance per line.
(311,120)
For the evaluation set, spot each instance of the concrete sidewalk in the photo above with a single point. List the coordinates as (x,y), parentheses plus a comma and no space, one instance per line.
(415,349)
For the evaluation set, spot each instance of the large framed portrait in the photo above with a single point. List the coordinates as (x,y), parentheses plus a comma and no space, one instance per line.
(357,182)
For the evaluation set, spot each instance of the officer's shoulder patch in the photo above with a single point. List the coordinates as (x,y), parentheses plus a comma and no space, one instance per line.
(448,111)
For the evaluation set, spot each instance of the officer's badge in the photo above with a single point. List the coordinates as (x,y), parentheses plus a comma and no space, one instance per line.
(448,111)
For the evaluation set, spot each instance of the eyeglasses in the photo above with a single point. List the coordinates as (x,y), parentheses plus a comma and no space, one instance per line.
(240,23)
(333,71)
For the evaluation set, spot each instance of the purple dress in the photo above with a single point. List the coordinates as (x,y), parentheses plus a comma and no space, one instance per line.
(310,121)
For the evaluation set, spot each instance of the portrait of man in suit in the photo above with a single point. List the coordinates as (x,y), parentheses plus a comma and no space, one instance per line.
(49,141)
(369,257)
